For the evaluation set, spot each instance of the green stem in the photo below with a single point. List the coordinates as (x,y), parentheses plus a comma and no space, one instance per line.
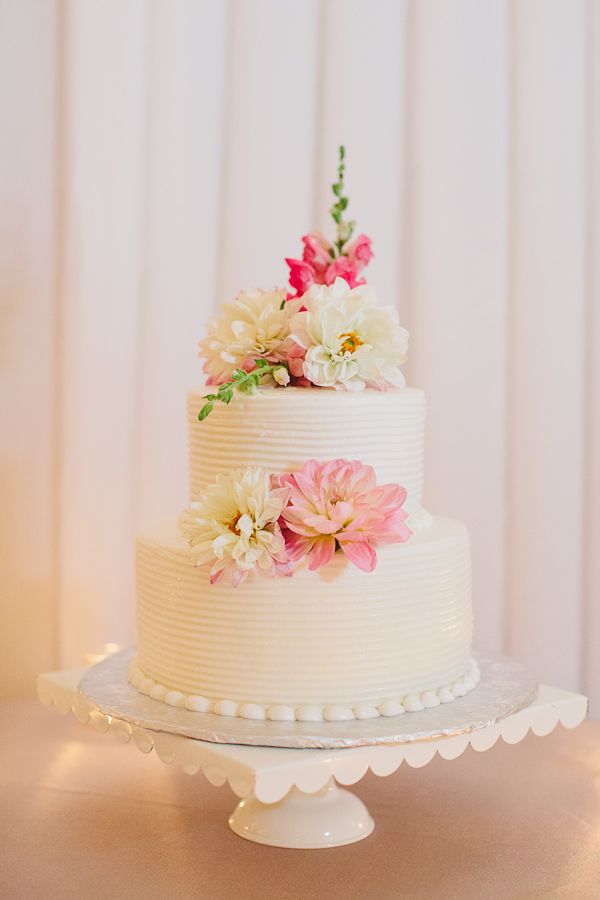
(246,382)
(344,229)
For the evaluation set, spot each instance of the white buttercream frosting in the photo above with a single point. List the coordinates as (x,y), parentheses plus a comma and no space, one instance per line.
(281,428)
(334,644)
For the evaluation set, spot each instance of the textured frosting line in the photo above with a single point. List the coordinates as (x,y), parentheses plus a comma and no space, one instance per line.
(307,712)
(335,637)
(282,428)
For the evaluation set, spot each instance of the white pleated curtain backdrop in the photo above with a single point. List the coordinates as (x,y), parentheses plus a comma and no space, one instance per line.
(156,157)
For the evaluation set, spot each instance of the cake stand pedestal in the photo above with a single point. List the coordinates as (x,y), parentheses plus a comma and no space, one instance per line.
(291,797)
(328,817)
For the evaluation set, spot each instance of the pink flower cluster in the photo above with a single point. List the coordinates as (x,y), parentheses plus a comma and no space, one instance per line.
(320,265)
(339,504)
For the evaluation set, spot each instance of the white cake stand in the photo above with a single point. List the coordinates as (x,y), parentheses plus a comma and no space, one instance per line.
(291,797)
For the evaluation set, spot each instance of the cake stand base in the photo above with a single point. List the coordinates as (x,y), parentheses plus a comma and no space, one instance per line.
(290,797)
(330,817)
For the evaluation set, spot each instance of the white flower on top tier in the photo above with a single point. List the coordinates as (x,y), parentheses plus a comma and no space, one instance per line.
(255,324)
(234,527)
(349,342)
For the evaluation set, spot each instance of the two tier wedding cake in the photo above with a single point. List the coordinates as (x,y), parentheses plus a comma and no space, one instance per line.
(305,581)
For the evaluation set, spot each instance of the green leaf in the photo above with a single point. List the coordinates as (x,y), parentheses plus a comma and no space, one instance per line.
(205,411)
(238,373)
(282,304)
(226,397)
(210,397)
(261,363)
(337,188)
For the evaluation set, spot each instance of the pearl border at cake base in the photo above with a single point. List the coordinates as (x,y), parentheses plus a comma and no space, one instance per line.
(505,687)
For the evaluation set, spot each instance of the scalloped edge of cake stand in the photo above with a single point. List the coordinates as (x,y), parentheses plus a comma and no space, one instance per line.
(291,799)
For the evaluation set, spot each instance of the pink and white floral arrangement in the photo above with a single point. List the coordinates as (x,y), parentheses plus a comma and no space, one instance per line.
(327,332)
(250,521)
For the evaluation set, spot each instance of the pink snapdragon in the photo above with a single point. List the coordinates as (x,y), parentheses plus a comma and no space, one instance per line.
(302,276)
(312,268)
(295,360)
(339,504)
(320,265)
(317,251)
(360,251)
(346,268)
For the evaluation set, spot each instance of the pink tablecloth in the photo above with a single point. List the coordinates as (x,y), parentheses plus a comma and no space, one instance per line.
(84,817)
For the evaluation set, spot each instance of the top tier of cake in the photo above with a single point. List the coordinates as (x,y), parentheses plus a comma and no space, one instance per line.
(282,428)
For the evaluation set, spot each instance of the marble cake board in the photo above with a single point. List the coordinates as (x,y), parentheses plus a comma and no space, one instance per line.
(291,798)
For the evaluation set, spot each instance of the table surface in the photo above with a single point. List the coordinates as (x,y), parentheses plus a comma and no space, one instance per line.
(84,816)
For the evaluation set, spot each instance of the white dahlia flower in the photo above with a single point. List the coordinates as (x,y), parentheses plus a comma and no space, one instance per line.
(234,526)
(349,342)
(255,324)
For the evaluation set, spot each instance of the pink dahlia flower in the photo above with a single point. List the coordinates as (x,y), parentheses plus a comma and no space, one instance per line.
(339,504)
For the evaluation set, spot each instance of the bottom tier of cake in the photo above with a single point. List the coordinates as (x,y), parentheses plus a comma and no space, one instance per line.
(334,644)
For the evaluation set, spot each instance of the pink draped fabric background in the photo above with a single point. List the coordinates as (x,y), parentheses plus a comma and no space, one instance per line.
(156,157)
